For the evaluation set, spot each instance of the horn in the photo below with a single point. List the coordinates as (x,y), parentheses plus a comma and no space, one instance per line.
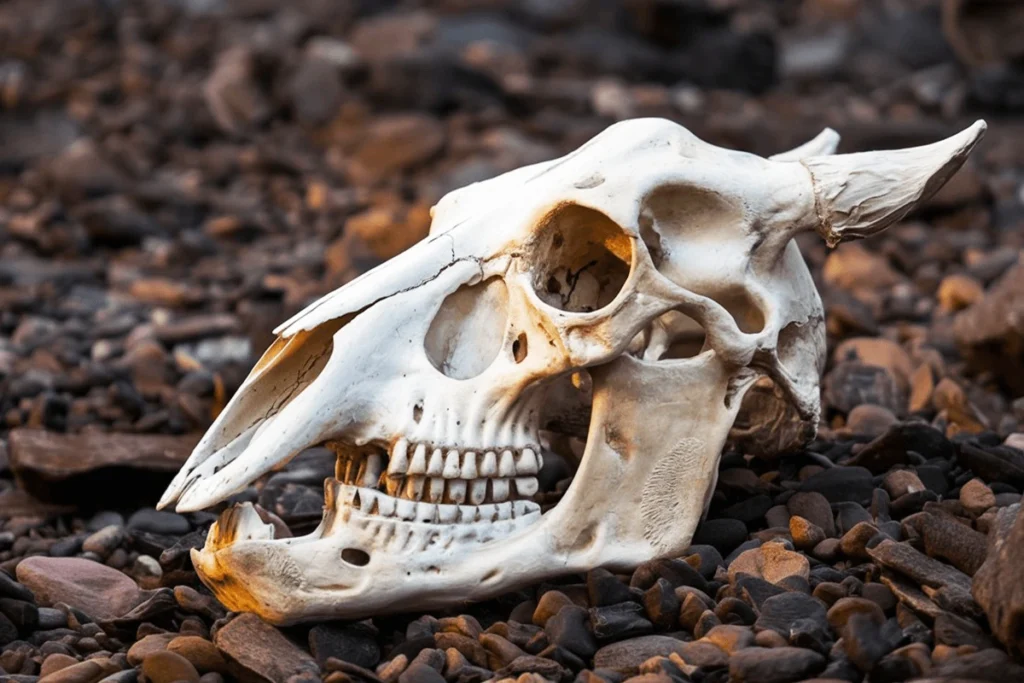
(856,195)
(823,144)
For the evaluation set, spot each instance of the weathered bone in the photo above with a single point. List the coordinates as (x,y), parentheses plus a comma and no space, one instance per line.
(633,291)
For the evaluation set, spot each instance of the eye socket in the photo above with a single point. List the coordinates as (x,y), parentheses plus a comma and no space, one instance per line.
(581,259)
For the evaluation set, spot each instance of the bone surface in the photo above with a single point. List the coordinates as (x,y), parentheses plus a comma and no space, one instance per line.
(629,293)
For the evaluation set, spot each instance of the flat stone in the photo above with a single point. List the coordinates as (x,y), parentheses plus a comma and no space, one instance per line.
(56,662)
(97,590)
(626,656)
(723,534)
(82,672)
(704,655)
(805,534)
(815,508)
(568,629)
(772,562)
(155,642)
(997,584)
(949,540)
(348,643)
(203,654)
(159,522)
(780,611)
(260,651)
(840,484)
(623,620)
(976,497)
(774,665)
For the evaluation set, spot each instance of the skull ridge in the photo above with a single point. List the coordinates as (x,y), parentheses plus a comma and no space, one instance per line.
(626,295)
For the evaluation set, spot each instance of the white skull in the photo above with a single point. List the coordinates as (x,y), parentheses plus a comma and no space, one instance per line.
(653,269)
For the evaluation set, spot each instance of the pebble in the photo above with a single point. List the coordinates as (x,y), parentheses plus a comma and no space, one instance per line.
(774,665)
(778,612)
(200,652)
(97,590)
(839,484)
(976,497)
(104,541)
(772,562)
(168,667)
(158,522)
(815,508)
(259,649)
(626,656)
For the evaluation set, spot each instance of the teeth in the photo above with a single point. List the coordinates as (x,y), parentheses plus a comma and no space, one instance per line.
(467,514)
(399,462)
(367,499)
(489,464)
(469,467)
(499,490)
(452,469)
(527,463)
(488,513)
(414,488)
(457,491)
(477,491)
(406,509)
(526,486)
(504,511)
(523,507)
(436,464)
(425,512)
(386,505)
(392,485)
(448,514)
(418,464)
(435,490)
(506,465)
(371,472)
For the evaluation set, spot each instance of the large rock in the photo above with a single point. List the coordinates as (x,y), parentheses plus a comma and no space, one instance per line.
(626,656)
(260,653)
(94,588)
(997,584)
(991,331)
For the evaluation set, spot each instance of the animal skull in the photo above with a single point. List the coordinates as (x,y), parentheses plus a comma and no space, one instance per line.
(648,274)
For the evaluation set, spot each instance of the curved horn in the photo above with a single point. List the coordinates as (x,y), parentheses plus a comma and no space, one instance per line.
(823,144)
(856,195)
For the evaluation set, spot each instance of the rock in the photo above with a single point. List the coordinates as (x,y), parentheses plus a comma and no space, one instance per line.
(662,604)
(986,331)
(949,540)
(57,467)
(231,93)
(420,673)
(156,642)
(615,622)
(844,608)
(393,144)
(780,611)
(815,508)
(839,484)
(626,656)
(774,665)
(8,630)
(864,642)
(348,643)
(676,572)
(9,588)
(603,588)
(56,662)
(104,541)
(260,651)
(203,654)
(958,291)
(879,352)
(704,655)
(900,482)
(549,605)
(976,497)
(468,647)
(730,638)
(997,586)
(854,542)
(82,672)
(23,615)
(568,629)
(168,667)
(906,560)
(805,534)
(159,522)
(772,562)
(315,91)
(97,590)
(723,534)
(850,384)
(956,631)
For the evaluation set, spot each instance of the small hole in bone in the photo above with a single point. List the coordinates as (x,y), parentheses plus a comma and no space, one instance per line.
(674,336)
(417,413)
(355,557)
(581,259)
(468,331)
(493,575)
(519,348)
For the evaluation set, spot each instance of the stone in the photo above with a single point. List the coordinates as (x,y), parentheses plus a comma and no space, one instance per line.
(723,534)
(774,665)
(104,541)
(780,611)
(864,642)
(815,508)
(260,651)
(603,588)
(879,352)
(704,655)
(550,603)
(662,604)
(997,586)
(958,291)
(730,638)
(97,590)
(772,562)
(82,672)
(468,647)
(676,572)
(615,622)
(839,484)
(348,643)
(54,467)
(395,143)
(854,542)
(900,482)
(155,642)
(626,656)
(844,608)
(56,662)
(805,534)
(976,497)
(949,540)
(568,629)
(159,522)
(168,667)
(203,654)
(420,673)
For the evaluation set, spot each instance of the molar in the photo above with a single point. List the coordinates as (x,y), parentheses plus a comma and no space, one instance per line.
(527,462)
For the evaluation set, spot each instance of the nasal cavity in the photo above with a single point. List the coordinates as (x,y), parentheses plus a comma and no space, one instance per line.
(468,331)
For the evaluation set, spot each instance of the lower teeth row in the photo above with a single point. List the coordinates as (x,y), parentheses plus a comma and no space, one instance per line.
(374,502)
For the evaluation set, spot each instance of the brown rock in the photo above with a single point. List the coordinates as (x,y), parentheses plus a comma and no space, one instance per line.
(155,642)
(88,671)
(805,534)
(815,508)
(396,143)
(168,667)
(232,94)
(56,662)
(260,653)
(991,331)
(976,497)
(626,656)
(879,352)
(844,608)
(901,482)
(851,266)
(957,292)
(51,466)
(997,584)
(950,398)
(854,541)
(203,654)
(771,562)
(922,384)
(390,229)
(96,589)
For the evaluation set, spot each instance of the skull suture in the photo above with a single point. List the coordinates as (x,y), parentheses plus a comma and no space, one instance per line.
(643,282)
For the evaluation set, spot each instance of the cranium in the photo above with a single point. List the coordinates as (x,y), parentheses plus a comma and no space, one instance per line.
(648,278)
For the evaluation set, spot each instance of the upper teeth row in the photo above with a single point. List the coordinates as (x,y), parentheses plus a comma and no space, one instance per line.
(452,464)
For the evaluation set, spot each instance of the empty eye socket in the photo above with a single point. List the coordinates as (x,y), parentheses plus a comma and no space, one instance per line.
(468,331)
(581,259)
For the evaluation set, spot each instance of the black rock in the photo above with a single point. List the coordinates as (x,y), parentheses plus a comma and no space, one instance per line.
(603,588)
(354,643)
(676,572)
(66,547)
(615,622)
(9,588)
(750,511)
(735,611)
(840,484)
(756,590)
(563,657)
(864,641)
(810,634)
(24,615)
(8,630)
(159,522)
(662,604)
(411,647)
(780,612)
(722,534)
(774,665)
(933,478)
(848,515)
(815,508)
(420,673)
(568,629)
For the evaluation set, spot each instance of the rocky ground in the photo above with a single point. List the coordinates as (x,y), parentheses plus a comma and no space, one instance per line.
(178,176)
